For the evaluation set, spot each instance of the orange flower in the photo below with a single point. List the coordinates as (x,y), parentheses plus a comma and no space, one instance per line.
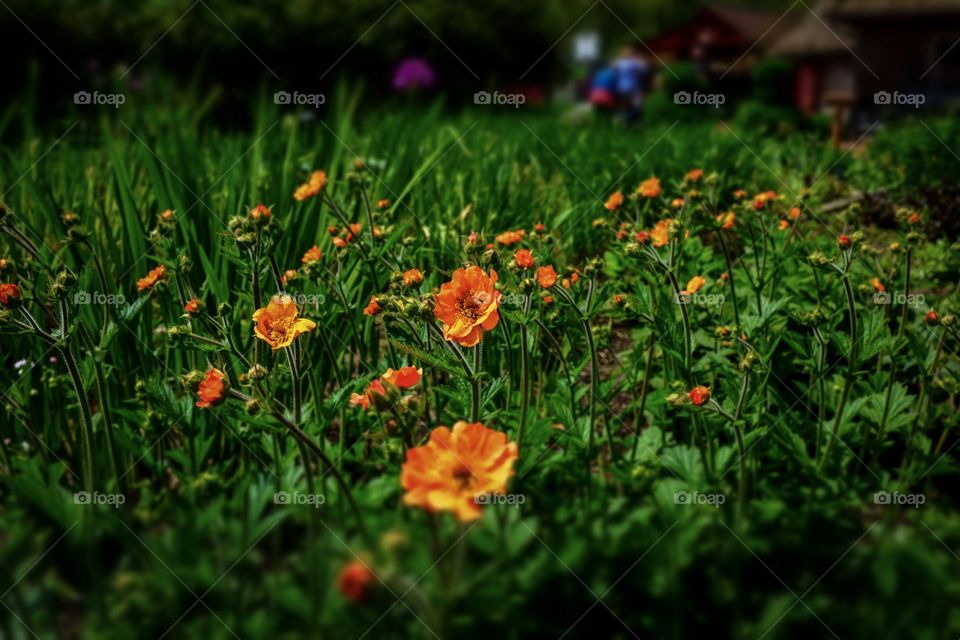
(931,318)
(524,259)
(784,225)
(372,307)
(546,276)
(339,242)
(311,187)
(166,215)
(844,241)
(260,211)
(539,228)
(287,276)
(457,468)
(511,237)
(642,237)
(726,220)
(383,203)
(915,218)
(10,294)
(412,277)
(211,391)
(151,279)
(617,299)
(878,285)
(649,188)
(794,213)
(694,175)
(364,399)
(192,305)
(467,305)
(277,323)
(614,201)
(694,285)
(547,299)
(699,395)
(356,581)
(740,194)
(676,203)
(404,377)
(312,255)
(661,232)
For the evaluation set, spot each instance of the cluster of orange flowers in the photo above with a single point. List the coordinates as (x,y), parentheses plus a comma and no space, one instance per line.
(402,378)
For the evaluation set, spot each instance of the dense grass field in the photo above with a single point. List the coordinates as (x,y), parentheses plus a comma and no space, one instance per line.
(732,412)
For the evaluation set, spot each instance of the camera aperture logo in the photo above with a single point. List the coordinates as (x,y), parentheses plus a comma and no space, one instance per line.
(99,298)
(299,99)
(714,500)
(300,499)
(97,98)
(696,98)
(885,98)
(497,98)
(111,499)
(915,500)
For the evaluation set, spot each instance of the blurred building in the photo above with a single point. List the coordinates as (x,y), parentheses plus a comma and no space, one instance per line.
(718,38)
(859,52)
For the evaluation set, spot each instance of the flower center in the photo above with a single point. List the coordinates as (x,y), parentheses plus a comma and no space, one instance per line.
(462,475)
(279,328)
(469,305)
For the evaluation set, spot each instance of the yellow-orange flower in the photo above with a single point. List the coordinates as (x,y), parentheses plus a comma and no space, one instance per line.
(784,225)
(524,259)
(356,581)
(313,254)
(260,211)
(311,187)
(546,276)
(372,308)
(211,391)
(383,203)
(614,201)
(10,294)
(287,276)
(363,400)
(192,305)
(660,234)
(726,220)
(467,305)
(878,285)
(649,188)
(699,395)
(403,378)
(511,237)
(694,285)
(412,277)
(277,323)
(151,279)
(794,213)
(676,203)
(457,468)
(694,175)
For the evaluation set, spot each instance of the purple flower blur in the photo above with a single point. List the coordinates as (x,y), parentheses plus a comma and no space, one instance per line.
(413,73)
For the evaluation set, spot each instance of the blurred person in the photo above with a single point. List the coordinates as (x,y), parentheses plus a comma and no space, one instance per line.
(632,72)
